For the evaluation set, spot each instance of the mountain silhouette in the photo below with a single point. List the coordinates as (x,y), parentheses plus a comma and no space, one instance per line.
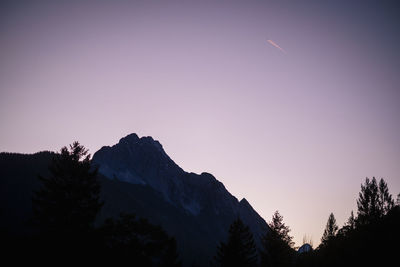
(203,208)
(137,176)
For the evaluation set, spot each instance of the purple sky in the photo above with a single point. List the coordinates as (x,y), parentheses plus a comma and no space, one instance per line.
(295,131)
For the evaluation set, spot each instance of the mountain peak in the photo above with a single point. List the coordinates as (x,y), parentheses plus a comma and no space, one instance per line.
(133,139)
(305,248)
(129,138)
(244,202)
(246,205)
(138,161)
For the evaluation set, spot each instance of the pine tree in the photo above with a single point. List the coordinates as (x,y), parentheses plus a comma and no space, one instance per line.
(368,202)
(386,202)
(351,222)
(280,229)
(348,227)
(68,202)
(374,201)
(330,230)
(240,250)
(277,244)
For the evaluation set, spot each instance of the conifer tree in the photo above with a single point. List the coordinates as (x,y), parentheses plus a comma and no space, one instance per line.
(240,250)
(68,202)
(368,202)
(374,201)
(280,229)
(398,200)
(277,244)
(349,226)
(351,222)
(385,201)
(330,230)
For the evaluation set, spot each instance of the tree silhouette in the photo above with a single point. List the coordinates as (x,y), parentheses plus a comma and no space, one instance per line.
(374,201)
(278,226)
(385,199)
(351,222)
(68,202)
(349,226)
(240,250)
(128,240)
(370,239)
(367,203)
(398,200)
(330,230)
(277,244)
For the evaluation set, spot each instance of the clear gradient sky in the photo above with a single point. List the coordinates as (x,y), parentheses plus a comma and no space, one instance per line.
(295,130)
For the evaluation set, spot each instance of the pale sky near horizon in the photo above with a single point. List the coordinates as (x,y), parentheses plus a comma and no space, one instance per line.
(295,131)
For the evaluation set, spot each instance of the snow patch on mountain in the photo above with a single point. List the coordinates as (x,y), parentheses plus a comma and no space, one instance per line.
(143,161)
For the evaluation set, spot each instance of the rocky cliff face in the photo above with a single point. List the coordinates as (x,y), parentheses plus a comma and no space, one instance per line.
(202,201)
(137,176)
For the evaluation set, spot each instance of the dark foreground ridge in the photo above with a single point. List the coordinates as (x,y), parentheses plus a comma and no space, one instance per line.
(137,176)
(132,205)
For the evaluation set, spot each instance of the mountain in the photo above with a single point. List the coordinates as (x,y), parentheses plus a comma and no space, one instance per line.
(200,209)
(137,176)
(305,248)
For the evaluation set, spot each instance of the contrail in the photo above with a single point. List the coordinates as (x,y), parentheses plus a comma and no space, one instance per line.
(276,45)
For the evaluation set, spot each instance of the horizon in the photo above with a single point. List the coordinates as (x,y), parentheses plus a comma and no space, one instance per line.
(297,103)
(306,237)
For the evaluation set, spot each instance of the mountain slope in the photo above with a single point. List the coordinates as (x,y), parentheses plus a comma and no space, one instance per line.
(203,208)
(137,176)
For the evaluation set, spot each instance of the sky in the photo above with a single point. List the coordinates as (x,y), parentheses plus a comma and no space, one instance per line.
(291,104)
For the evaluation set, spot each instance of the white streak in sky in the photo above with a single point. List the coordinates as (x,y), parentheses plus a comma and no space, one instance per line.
(276,45)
